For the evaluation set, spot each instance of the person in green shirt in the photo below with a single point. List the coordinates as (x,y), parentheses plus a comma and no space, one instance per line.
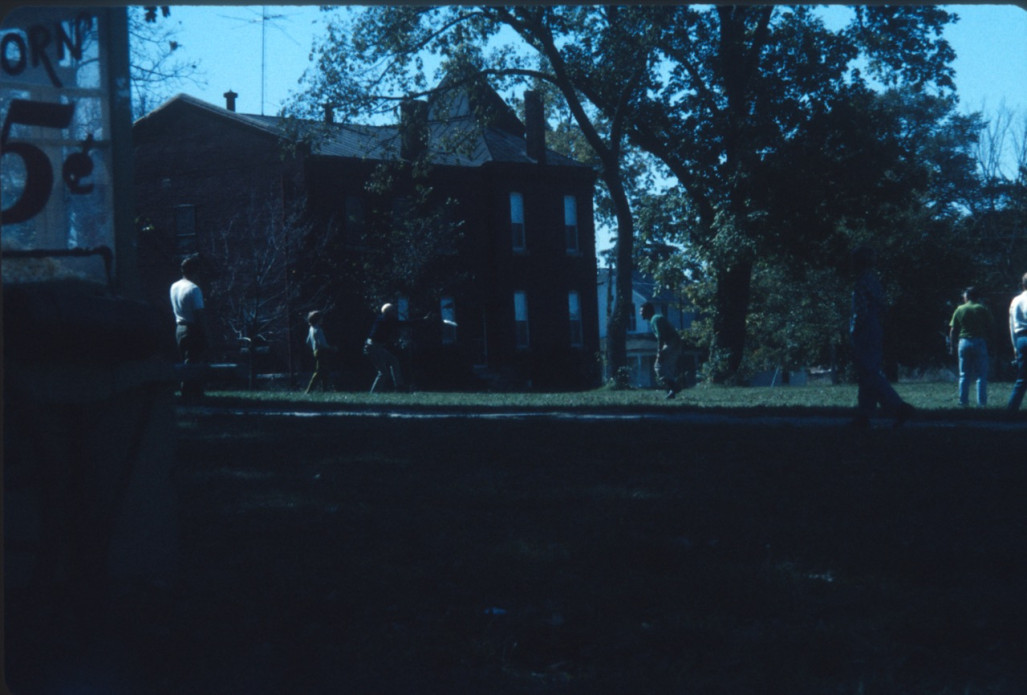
(968,338)
(668,348)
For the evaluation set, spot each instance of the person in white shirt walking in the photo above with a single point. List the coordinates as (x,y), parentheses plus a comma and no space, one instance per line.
(1018,334)
(319,346)
(190,327)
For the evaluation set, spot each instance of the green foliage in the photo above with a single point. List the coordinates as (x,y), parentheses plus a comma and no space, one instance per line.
(798,318)
(994,232)
(755,120)
(754,140)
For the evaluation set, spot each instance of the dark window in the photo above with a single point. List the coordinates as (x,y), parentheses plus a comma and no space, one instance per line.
(574,315)
(570,223)
(185,230)
(523,339)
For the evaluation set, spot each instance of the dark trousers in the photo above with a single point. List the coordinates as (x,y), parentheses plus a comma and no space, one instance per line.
(390,370)
(874,388)
(192,345)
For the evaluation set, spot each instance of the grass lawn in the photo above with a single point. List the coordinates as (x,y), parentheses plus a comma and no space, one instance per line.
(374,555)
(933,399)
(380,555)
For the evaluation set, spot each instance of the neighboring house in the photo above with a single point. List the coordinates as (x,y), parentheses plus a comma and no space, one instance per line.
(522,281)
(641,344)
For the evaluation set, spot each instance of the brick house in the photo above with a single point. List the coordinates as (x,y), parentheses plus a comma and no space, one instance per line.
(520,284)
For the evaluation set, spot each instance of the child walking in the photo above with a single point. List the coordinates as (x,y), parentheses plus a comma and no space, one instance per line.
(319,345)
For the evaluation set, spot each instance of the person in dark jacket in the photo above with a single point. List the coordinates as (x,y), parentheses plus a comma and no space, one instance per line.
(382,348)
(867,336)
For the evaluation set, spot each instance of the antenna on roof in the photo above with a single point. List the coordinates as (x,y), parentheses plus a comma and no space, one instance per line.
(264,18)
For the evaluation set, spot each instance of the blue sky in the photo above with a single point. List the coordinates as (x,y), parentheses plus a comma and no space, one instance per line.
(990,41)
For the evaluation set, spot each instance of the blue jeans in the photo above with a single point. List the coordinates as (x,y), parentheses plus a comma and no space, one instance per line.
(1020,386)
(973,362)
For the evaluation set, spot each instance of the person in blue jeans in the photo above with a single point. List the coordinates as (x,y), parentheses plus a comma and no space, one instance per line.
(968,338)
(867,336)
(1018,334)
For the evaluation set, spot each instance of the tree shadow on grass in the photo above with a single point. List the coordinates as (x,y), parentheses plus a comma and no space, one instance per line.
(383,556)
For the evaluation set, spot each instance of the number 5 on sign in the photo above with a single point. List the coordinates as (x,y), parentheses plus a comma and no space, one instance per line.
(38,172)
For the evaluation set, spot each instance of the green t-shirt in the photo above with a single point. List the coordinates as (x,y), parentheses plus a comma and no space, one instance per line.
(971,320)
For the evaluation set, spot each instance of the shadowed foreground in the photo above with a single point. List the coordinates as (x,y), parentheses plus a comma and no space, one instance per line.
(372,555)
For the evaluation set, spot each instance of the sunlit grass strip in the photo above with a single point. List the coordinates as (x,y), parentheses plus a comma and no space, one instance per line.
(928,397)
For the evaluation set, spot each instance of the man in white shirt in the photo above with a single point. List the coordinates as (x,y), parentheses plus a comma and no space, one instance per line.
(1018,334)
(190,326)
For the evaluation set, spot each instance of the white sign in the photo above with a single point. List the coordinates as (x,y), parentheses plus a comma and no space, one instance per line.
(55,141)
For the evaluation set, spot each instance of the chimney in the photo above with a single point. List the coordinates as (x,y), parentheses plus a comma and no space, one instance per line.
(413,129)
(230,100)
(329,114)
(534,126)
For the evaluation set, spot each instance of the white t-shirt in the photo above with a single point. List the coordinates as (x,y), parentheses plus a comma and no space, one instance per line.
(316,338)
(186,300)
(1018,315)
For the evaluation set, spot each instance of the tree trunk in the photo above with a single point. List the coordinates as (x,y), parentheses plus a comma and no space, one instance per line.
(732,308)
(617,330)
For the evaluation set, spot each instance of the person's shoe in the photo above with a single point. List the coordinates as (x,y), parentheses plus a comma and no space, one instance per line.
(671,393)
(905,411)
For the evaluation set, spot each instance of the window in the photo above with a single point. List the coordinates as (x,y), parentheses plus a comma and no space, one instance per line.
(517,221)
(447,308)
(185,230)
(521,320)
(574,314)
(570,223)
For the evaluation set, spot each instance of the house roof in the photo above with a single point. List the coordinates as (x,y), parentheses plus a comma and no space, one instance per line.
(459,134)
(641,284)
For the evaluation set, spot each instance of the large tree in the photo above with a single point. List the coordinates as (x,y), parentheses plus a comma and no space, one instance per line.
(996,226)
(741,85)
(720,95)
